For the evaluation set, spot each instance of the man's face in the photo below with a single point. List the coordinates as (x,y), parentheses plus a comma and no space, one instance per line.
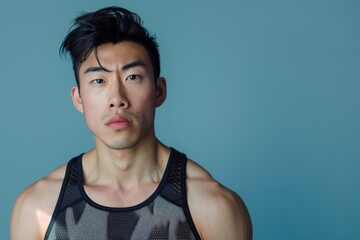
(118,98)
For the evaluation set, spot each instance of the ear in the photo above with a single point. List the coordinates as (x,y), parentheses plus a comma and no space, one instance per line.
(76,98)
(160,91)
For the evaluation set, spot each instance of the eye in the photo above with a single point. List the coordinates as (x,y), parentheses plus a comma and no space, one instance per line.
(133,77)
(97,81)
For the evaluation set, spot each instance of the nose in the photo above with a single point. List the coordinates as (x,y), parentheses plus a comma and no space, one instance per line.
(118,97)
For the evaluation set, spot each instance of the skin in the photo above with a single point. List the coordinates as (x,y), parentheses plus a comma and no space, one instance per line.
(118,100)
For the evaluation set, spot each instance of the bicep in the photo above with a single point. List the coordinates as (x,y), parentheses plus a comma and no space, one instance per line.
(242,220)
(218,212)
(23,223)
(228,219)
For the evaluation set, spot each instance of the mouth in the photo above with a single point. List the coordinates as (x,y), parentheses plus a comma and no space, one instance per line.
(118,122)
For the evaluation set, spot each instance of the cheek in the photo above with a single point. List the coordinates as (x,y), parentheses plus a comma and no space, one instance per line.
(143,96)
(144,102)
(143,105)
(91,112)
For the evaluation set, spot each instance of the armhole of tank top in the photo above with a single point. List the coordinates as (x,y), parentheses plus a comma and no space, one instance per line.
(184,195)
(60,198)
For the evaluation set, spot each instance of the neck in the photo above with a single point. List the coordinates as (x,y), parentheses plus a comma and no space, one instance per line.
(126,168)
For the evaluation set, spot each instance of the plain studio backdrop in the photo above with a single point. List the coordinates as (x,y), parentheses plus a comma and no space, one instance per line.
(263,94)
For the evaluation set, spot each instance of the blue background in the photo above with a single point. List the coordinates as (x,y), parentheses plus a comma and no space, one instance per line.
(263,94)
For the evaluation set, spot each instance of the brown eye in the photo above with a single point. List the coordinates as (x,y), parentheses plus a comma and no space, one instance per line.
(97,81)
(133,77)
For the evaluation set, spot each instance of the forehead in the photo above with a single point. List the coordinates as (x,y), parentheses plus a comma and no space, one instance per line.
(114,56)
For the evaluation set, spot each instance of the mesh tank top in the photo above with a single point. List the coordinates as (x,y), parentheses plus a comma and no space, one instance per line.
(164,215)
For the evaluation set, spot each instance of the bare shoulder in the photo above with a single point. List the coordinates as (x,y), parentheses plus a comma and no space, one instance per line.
(34,207)
(211,203)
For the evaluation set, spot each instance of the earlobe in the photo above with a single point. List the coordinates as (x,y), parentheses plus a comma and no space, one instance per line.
(160,91)
(76,98)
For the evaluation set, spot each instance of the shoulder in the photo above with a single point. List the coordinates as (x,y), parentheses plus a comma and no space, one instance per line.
(34,206)
(211,203)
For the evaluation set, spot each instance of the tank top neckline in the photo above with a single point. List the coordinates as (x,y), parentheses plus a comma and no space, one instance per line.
(147,201)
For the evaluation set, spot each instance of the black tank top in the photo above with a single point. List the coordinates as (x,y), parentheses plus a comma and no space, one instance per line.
(164,215)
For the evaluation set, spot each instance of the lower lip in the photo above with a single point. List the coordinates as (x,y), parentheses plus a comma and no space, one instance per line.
(119,125)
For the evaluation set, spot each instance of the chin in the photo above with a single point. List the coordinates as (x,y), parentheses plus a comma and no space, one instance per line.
(121,145)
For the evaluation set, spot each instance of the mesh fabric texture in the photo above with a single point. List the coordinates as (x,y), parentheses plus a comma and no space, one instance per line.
(164,215)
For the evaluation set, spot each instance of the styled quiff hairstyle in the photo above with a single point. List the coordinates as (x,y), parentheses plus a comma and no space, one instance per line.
(107,25)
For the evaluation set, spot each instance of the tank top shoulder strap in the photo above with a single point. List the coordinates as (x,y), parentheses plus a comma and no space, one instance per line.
(174,189)
(69,193)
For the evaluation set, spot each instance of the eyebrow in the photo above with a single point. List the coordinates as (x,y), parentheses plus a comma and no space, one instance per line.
(137,63)
(96,69)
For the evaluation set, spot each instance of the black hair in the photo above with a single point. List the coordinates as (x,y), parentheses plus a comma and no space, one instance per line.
(107,25)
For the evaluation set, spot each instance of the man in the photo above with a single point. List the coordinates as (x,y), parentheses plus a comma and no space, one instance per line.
(130,185)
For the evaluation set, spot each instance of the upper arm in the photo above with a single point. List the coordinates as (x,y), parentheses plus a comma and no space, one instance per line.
(227,218)
(217,212)
(23,220)
(34,207)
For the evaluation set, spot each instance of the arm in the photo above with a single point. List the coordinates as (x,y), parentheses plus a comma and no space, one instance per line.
(23,220)
(227,217)
(218,212)
(33,209)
